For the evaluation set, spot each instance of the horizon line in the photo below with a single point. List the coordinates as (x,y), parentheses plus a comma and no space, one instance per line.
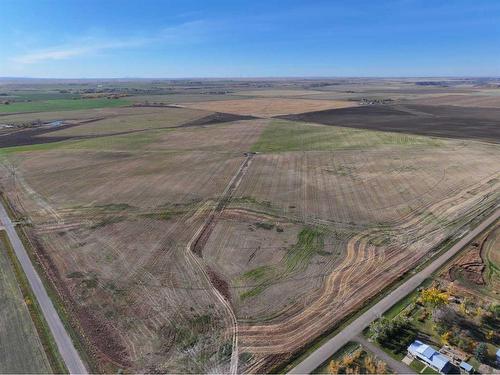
(254,77)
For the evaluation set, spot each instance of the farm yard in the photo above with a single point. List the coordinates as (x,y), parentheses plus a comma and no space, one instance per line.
(211,236)
(457,310)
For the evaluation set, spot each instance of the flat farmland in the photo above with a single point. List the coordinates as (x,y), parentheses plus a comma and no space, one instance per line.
(202,240)
(269,107)
(141,119)
(61,105)
(438,121)
(113,217)
(278,93)
(21,350)
(326,219)
(78,115)
(481,101)
(96,124)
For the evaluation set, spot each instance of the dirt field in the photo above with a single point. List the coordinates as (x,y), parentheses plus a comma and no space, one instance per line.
(269,107)
(80,126)
(477,268)
(185,240)
(20,348)
(438,121)
(126,211)
(277,93)
(481,101)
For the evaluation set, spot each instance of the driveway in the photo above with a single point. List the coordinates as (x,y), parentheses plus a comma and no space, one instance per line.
(397,366)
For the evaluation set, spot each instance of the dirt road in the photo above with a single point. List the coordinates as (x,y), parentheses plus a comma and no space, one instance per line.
(355,328)
(64,344)
(195,249)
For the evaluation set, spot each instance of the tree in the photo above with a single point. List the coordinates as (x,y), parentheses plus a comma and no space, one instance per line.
(334,367)
(465,306)
(481,352)
(348,360)
(434,297)
(383,329)
(353,371)
(490,334)
(381,367)
(445,337)
(370,365)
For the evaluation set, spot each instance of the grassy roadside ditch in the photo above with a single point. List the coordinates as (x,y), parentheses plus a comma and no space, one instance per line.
(49,345)
(57,301)
(300,355)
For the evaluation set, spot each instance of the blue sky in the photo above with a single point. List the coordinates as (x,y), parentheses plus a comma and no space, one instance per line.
(186,38)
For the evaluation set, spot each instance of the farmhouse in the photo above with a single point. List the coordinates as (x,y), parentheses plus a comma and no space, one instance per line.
(430,357)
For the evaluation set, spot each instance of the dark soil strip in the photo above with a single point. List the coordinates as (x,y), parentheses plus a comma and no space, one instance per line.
(219,283)
(216,118)
(438,121)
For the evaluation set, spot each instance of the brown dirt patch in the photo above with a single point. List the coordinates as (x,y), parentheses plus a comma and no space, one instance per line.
(220,284)
(482,101)
(269,107)
(469,266)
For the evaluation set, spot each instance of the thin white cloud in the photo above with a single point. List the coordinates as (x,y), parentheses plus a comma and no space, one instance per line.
(81,47)
(188,32)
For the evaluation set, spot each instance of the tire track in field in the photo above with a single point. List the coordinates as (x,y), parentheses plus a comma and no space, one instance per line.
(195,249)
(282,337)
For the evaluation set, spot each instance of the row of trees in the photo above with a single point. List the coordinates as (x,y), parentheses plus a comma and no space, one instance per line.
(352,364)
(384,330)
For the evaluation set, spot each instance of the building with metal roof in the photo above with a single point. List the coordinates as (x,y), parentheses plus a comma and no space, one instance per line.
(430,357)
(466,367)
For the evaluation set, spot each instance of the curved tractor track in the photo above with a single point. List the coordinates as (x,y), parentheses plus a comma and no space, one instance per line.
(360,275)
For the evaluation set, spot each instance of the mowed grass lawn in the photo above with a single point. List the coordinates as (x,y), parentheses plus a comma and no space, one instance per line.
(62,105)
(20,348)
(283,135)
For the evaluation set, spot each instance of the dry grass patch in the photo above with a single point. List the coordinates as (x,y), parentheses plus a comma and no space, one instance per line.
(481,101)
(277,93)
(139,119)
(269,107)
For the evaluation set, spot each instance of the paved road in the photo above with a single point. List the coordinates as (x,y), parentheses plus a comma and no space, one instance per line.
(397,366)
(355,328)
(64,344)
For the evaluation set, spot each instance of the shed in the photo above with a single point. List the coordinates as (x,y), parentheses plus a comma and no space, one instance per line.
(466,367)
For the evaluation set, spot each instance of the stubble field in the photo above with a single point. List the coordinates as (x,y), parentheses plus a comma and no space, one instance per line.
(182,243)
